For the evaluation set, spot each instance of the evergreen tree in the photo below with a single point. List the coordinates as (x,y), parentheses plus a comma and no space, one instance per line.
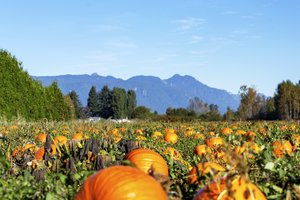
(119,103)
(92,102)
(131,103)
(105,102)
(76,103)
(20,95)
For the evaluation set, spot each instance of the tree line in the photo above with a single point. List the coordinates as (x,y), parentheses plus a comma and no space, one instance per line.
(284,105)
(21,96)
(116,103)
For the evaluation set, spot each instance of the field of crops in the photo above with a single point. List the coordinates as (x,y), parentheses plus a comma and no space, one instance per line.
(242,160)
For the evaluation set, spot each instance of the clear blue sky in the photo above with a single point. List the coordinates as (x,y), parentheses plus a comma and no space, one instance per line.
(222,43)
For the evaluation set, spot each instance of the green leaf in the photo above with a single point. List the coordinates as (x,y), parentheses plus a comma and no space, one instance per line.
(62,178)
(277,189)
(51,196)
(269,166)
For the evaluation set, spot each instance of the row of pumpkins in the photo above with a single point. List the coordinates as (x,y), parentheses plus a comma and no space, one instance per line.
(126,182)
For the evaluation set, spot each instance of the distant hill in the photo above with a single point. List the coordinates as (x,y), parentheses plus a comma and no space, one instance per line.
(151,91)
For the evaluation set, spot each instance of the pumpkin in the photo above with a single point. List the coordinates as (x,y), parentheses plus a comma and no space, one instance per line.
(39,154)
(280,149)
(239,188)
(60,139)
(171,137)
(16,151)
(240,132)
(189,132)
(41,137)
(120,182)
(173,153)
(214,141)
(30,147)
(156,134)
(201,150)
(77,137)
(146,159)
(139,132)
(204,168)
(226,131)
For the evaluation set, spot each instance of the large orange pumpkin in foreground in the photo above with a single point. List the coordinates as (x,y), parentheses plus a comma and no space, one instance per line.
(146,159)
(239,188)
(121,182)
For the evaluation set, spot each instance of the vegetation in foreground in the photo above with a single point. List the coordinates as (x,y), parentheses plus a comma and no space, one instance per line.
(47,160)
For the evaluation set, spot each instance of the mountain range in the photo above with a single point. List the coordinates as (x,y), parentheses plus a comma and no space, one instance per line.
(152,92)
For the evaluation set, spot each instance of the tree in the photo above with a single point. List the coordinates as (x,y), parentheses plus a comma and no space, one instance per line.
(229,115)
(105,102)
(76,103)
(196,105)
(141,112)
(119,103)
(287,100)
(131,103)
(92,102)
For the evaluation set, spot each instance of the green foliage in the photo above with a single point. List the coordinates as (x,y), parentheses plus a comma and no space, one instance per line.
(119,103)
(76,103)
(131,103)
(20,95)
(142,112)
(92,102)
(105,102)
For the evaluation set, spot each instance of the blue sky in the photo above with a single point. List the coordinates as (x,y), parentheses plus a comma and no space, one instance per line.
(222,43)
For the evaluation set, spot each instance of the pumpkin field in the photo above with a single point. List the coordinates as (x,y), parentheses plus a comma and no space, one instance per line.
(152,160)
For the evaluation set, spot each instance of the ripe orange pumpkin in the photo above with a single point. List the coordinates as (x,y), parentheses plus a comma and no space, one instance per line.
(201,150)
(60,139)
(146,159)
(280,149)
(226,131)
(39,154)
(204,168)
(120,182)
(77,137)
(171,137)
(239,188)
(41,137)
(173,153)
(214,141)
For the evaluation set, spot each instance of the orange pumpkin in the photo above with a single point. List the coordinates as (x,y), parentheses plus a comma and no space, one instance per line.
(280,149)
(39,154)
(226,131)
(204,168)
(239,188)
(202,150)
(77,137)
(60,139)
(121,182)
(171,137)
(214,141)
(30,147)
(146,159)
(173,153)
(41,137)
(240,132)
